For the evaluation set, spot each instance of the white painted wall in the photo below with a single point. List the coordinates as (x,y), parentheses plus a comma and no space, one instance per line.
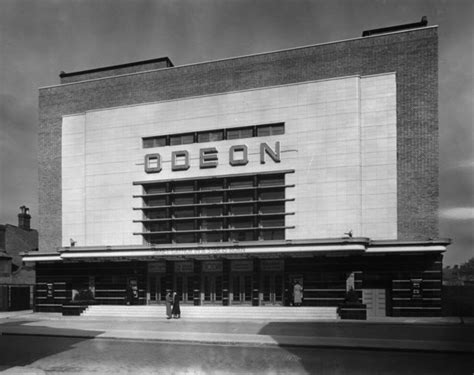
(340,137)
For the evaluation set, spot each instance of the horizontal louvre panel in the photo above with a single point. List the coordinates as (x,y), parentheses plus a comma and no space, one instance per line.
(243,207)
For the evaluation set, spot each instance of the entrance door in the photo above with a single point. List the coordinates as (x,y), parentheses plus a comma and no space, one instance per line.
(375,301)
(156,285)
(272,289)
(241,289)
(184,286)
(212,287)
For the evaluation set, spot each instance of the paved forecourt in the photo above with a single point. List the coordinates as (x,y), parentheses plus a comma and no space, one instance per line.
(432,335)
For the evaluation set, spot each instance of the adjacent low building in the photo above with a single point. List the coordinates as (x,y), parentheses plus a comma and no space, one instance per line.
(16,278)
(230,181)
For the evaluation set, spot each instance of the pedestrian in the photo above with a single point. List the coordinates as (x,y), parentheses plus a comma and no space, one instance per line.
(129,294)
(297,294)
(168,302)
(176,312)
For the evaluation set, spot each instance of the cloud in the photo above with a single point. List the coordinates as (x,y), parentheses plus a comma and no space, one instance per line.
(458,213)
(465,164)
(458,166)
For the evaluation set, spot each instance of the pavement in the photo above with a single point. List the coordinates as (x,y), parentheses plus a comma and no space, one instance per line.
(446,334)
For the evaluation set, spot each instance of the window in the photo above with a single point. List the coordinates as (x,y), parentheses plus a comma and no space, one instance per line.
(211,136)
(273,207)
(157,214)
(155,189)
(241,183)
(183,238)
(211,211)
(159,239)
(266,130)
(214,135)
(183,186)
(241,196)
(158,227)
(273,221)
(183,199)
(154,142)
(211,185)
(184,225)
(241,209)
(182,139)
(211,224)
(156,201)
(240,133)
(243,235)
(273,234)
(268,194)
(212,198)
(183,212)
(241,223)
(271,180)
(212,237)
(148,142)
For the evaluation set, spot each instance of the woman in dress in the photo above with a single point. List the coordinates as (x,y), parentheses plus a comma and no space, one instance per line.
(168,302)
(176,312)
(297,294)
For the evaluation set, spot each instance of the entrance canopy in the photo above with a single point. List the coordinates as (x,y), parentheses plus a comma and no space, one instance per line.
(235,250)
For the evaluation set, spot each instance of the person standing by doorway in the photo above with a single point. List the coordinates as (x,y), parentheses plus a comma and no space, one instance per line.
(168,301)
(176,312)
(297,294)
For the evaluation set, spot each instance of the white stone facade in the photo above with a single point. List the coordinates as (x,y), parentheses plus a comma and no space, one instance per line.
(340,138)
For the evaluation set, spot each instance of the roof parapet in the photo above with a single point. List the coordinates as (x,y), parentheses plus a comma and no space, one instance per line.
(110,71)
(389,29)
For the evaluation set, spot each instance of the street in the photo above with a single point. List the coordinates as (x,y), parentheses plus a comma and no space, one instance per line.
(56,355)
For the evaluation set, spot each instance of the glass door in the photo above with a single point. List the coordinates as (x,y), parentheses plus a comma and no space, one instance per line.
(272,288)
(212,287)
(156,284)
(241,289)
(183,285)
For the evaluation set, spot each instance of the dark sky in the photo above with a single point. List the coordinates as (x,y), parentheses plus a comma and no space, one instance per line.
(38,39)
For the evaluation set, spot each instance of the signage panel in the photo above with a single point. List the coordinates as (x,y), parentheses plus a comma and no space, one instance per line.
(416,288)
(49,290)
(156,267)
(271,265)
(209,157)
(241,266)
(212,266)
(184,266)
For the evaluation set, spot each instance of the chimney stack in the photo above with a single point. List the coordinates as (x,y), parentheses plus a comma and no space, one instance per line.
(24,218)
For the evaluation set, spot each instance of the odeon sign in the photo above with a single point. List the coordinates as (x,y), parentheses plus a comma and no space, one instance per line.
(209,157)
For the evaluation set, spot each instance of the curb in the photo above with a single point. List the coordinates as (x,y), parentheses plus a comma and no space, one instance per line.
(246,320)
(449,321)
(280,341)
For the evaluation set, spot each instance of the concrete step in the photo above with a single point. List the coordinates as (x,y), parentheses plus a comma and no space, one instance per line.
(212,308)
(216,312)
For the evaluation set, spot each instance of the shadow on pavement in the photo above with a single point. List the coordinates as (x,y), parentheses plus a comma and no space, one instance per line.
(358,360)
(364,330)
(22,345)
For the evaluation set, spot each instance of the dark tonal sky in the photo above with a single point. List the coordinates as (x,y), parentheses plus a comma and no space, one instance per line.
(38,39)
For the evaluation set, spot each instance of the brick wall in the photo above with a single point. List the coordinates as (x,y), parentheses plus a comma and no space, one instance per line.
(411,54)
(18,240)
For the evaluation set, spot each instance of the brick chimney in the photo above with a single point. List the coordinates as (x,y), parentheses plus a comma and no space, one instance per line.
(24,218)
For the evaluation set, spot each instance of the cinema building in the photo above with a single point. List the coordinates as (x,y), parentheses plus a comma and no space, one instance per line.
(230,180)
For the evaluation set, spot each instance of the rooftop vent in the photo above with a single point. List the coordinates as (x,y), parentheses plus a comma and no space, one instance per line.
(389,29)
